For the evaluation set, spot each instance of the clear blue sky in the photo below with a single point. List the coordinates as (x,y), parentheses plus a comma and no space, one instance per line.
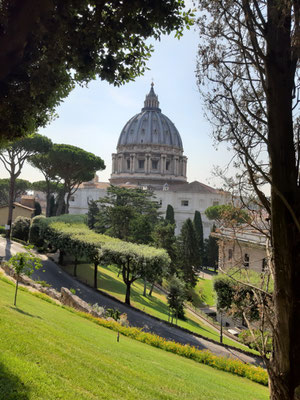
(93,117)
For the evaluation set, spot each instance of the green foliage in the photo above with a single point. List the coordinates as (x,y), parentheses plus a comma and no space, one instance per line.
(92,213)
(257,342)
(20,228)
(21,186)
(176,297)
(134,260)
(113,313)
(164,238)
(188,252)
(170,218)
(35,234)
(236,297)
(24,263)
(227,214)
(199,235)
(127,214)
(224,288)
(37,208)
(211,252)
(76,42)
(47,166)
(72,290)
(73,166)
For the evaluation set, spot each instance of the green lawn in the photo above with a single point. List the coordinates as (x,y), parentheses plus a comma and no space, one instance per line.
(203,293)
(48,352)
(109,282)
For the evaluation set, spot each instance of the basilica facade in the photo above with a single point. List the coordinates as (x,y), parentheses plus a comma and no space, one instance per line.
(150,156)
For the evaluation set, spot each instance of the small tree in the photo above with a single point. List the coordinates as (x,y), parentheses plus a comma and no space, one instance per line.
(164,238)
(199,234)
(176,297)
(74,166)
(24,263)
(170,217)
(188,252)
(13,156)
(127,214)
(211,251)
(92,213)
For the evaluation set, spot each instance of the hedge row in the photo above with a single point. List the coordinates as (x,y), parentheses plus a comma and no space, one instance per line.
(78,240)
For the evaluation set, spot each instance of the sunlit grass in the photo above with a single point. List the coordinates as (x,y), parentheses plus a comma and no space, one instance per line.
(50,353)
(156,305)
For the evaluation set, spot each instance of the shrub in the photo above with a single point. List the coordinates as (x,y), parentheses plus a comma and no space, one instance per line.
(35,234)
(2,230)
(20,228)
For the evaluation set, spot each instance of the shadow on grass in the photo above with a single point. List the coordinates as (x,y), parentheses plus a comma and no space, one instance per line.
(24,313)
(11,386)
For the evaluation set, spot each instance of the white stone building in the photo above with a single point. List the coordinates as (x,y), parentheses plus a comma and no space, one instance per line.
(150,155)
(242,247)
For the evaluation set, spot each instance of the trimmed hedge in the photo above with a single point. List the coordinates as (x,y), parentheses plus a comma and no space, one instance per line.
(77,239)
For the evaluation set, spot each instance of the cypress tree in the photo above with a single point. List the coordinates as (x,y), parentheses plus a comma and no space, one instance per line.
(170,215)
(189,254)
(199,235)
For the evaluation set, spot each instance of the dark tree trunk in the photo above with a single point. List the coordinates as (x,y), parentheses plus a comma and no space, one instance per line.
(285,200)
(16,292)
(95,274)
(48,196)
(127,297)
(11,199)
(67,203)
(145,287)
(151,289)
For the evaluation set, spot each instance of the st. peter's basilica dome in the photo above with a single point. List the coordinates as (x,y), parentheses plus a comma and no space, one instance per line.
(149,149)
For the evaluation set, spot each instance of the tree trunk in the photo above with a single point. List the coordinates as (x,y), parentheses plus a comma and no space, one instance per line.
(60,203)
(17,285)
(285,199)
(145,287)
(151,289)
(127,297)
(67,203)
(11,201)
(48,196)
(95,274)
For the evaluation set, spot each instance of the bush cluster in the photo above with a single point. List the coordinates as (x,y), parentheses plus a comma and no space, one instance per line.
(20,228)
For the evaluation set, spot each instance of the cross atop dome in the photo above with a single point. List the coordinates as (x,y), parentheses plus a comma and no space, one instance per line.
(151,102)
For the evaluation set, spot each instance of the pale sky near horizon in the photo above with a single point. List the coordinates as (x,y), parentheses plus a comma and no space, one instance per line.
(92,118)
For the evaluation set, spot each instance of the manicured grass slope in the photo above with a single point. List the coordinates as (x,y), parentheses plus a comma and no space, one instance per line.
(47,352)
(109,282)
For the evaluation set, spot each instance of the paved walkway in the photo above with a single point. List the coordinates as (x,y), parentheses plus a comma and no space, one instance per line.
(54,275)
